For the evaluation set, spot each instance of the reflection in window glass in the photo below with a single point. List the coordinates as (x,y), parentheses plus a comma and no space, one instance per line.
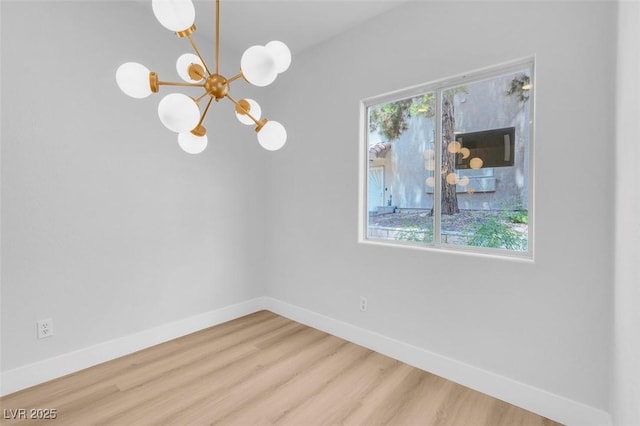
(478,168)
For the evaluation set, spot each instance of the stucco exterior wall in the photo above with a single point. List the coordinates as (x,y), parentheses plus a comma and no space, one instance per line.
(484,105)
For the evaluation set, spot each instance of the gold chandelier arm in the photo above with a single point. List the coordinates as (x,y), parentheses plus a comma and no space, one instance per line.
(217,36)
(200,130)
(177,83)
(202,96)
(195,48)
(244,110)
(204,113)
(235,77)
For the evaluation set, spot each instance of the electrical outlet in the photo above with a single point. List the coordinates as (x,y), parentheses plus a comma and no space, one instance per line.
(45,328)
(363,303)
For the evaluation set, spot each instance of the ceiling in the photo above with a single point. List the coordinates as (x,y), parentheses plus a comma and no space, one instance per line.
(299,23)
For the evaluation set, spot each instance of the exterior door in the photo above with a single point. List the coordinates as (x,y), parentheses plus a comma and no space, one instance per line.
(376,187)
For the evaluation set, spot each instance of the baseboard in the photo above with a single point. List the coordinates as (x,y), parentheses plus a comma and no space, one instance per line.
(52,368)
(537,400)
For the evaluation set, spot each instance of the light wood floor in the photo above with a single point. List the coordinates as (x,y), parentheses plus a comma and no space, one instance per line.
(261,369)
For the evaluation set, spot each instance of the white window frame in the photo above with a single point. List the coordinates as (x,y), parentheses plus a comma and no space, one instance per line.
(438,86)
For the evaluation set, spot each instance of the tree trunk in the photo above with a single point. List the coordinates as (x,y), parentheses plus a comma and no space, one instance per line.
(449,195)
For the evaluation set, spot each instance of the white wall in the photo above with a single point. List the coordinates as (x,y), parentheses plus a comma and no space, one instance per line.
(626,391)
(110,230)
(108,227)
(547,323)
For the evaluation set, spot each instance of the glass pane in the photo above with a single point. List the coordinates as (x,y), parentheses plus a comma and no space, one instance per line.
(401,164)
(485,163)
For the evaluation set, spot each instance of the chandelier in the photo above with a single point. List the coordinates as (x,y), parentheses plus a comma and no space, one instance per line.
(259,65)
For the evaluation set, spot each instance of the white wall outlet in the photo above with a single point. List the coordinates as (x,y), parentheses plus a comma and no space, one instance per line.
(363,303)
(45,328)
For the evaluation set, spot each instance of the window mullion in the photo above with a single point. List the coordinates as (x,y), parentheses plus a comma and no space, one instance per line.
(437,144)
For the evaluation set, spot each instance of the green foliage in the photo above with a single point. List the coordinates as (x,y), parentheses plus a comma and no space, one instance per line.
(495,233)
(423,105)
(415,234)
(520,87)
(464,90)
(519,216)
(392,119)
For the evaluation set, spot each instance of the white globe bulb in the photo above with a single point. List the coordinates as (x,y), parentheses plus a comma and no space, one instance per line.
(178,112)
(133,80)
(281,55)
(174,15)
(258,66)
(272,136)
(254,110)
(182,66)
(191,143)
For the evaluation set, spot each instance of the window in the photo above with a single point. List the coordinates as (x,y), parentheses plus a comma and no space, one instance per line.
(466,142)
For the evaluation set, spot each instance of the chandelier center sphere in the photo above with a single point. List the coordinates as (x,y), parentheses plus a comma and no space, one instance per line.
(217,86)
